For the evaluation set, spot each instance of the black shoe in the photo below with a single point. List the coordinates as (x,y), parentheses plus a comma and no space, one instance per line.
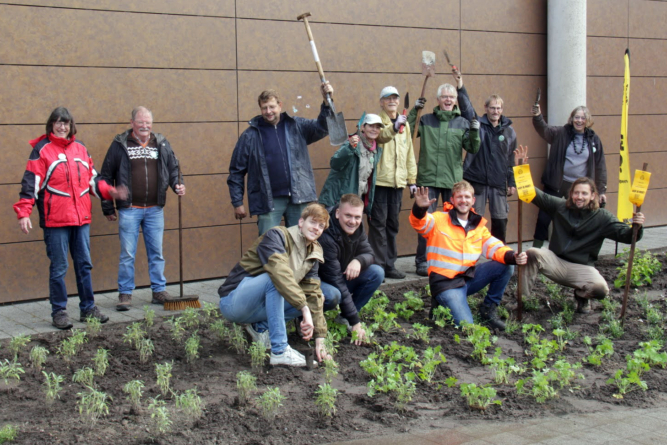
(583,305)
(422,270)
(94,313)
(489,316)
(61,320)
(394,273)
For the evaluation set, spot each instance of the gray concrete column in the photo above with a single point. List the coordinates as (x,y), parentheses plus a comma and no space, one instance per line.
(566,58)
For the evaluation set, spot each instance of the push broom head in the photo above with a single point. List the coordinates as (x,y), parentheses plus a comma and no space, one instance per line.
(180,303)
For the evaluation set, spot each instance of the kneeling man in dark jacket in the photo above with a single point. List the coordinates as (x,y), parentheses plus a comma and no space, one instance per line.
(349,275)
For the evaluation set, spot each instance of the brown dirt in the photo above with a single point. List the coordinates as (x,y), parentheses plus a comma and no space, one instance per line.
(298,421)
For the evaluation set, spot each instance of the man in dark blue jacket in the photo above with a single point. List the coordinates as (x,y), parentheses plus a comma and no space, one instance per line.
(349,275)
(273,152)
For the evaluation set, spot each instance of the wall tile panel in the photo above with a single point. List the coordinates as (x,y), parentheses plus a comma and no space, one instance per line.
(604,56)
(200,7)
(607,18)
(648,18)
(525,16)
(510,53)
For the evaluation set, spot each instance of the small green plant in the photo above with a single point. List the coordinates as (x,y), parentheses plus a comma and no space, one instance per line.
(163,373)
(101,361)
(564,373)
(479,397)
(220,329)
(644,266)
(135,333)
(67,350)
(504,368)
(246,384)
(386,321)
(379,302)
(190,318)
(560,337)
(403,311)
(442,316)
(191,404)
(177,329)
(270,401)
(238,339)
(149,316)
(614,328)
(92,405)
(630,382)
(38,357)
(79,338)
(52,386)
(146,349)
(330,370)
(539,386)
(85,376)
(531,304)
(17,343)
(404,391)
(8,433)
(93,327)
(258,355)
(161,423)
(511,325)
(331,343)
(431,358)
(369,330)
(134,390)
(650,354)
(480,338)
(326,400)
(10,371)
(192,347)
(211,311)
(420,332)
(604,349)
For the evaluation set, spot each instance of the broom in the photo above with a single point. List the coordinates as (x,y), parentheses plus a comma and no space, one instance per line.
(183,301)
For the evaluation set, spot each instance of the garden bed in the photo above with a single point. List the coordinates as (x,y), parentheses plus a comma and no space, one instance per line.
(298,421)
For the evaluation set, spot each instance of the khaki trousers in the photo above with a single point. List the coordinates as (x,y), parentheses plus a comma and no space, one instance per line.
(586,280)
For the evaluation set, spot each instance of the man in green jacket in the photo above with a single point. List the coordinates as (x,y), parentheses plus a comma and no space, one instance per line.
(579,228)
(444,134)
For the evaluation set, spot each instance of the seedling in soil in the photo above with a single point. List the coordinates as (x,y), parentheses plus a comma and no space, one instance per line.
(246,384)
(163,373)
(604,349)
(67,349)
(211,311)
(92,405)
(650,354)
(149,316)
(93,327)
(220,329)
(191,405)
(331,343)
(379,302)
(480,338)
(564,373)
(386,321)
(403,311)
(414,301)
(613,328)
(101,361)
(431,358)
(135,333)
(258,355)
(52,386)
(330,370)
(10,371)
(146,349)
(554,292)
(190,318)
(134,390)
(636,365)
(442,316)
(644,266)
(326,400)
(541,352)
(560,337)
(405,390)
(531,304)
(626,384)
(504,368)
(17,343)
(511,325)
(238,339)
(85,376)
(38,357)
(177,329)
(8,433)
(161,423)
(192,347)
(540,386)
(79,339)
(270,401)
(479,397)
(655,332)
(420,332)
(532,333)
(368,338)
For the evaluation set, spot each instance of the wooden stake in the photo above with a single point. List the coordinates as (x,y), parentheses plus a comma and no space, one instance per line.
(519,269)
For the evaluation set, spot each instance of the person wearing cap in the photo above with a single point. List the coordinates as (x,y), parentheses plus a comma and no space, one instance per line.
(444,134)
(353,168)
(396,169)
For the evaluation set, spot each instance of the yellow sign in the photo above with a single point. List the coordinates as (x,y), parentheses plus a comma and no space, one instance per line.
(639,187)
(524,182)
(624,210)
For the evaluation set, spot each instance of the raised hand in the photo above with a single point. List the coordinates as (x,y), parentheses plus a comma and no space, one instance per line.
(422,199)
(521,153)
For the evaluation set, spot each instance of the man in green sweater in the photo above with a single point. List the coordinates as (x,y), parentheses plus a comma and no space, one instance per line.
(444,134)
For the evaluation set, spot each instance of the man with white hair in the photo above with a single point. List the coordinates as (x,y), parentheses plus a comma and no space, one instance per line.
(444,134)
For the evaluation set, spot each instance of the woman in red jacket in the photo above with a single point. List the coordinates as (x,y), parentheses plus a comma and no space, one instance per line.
(59,178)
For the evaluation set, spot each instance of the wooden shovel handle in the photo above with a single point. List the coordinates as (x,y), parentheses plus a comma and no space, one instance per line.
(316,56)
(419,113)
(519,268)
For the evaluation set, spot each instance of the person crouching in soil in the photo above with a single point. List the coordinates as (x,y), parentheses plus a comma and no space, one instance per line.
(455,239)
(276,281)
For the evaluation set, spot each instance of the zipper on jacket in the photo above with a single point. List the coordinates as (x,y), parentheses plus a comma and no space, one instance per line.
(48,207)
(289,192)
(78,170)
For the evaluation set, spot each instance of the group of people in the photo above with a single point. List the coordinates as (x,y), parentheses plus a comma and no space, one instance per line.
(322,258)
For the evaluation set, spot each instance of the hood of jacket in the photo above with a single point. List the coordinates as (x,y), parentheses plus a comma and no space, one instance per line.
(446,116)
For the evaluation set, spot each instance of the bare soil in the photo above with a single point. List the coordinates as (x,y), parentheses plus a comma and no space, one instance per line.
(298,421)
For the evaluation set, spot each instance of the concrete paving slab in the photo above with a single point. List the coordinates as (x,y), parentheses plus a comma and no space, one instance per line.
(444,436)
(509,438)
(651,438)
(11,329)
(536,433)
(646,423)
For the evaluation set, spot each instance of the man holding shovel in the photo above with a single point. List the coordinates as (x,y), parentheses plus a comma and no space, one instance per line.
(579,228)
(273,153)
(444,135)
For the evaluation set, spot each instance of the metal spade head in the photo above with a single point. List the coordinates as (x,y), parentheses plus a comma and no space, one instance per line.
(337,128)
(428,63)
(538,96)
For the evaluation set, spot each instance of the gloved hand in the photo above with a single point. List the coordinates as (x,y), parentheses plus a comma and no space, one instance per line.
(400,121)
(421,103)
(413,189)
(474,125)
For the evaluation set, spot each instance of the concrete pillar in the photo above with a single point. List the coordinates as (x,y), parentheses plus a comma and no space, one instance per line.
(566,58)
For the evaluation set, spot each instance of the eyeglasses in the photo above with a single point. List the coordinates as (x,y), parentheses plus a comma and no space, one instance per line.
(579,119)
(61,124)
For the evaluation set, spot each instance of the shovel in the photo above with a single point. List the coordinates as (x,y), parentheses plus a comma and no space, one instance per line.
(335,122)
(428,70)
(406,107)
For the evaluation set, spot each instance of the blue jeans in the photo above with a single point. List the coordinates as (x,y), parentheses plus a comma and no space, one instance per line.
(491,273)
(362,288)
(256,300)
(281,207)
(76,240)
(151,222)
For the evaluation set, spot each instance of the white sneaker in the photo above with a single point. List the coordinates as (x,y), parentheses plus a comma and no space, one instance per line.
(289,357)
(260,337)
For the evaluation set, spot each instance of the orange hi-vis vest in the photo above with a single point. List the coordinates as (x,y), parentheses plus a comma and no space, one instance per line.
(450,251)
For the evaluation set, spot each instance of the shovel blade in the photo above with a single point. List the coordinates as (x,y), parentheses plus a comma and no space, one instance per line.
(337,128)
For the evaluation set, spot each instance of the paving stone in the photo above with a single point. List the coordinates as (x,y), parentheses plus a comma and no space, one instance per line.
(651,438)
(646,423)
(508,438)
(536,433)
(444,436)
(11,329)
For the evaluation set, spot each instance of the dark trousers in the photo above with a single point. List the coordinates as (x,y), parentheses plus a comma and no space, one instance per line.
(543,218)
(383,225)
(433,193)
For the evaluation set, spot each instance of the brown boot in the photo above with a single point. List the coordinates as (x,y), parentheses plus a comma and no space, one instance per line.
(124,302)
(160,297)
